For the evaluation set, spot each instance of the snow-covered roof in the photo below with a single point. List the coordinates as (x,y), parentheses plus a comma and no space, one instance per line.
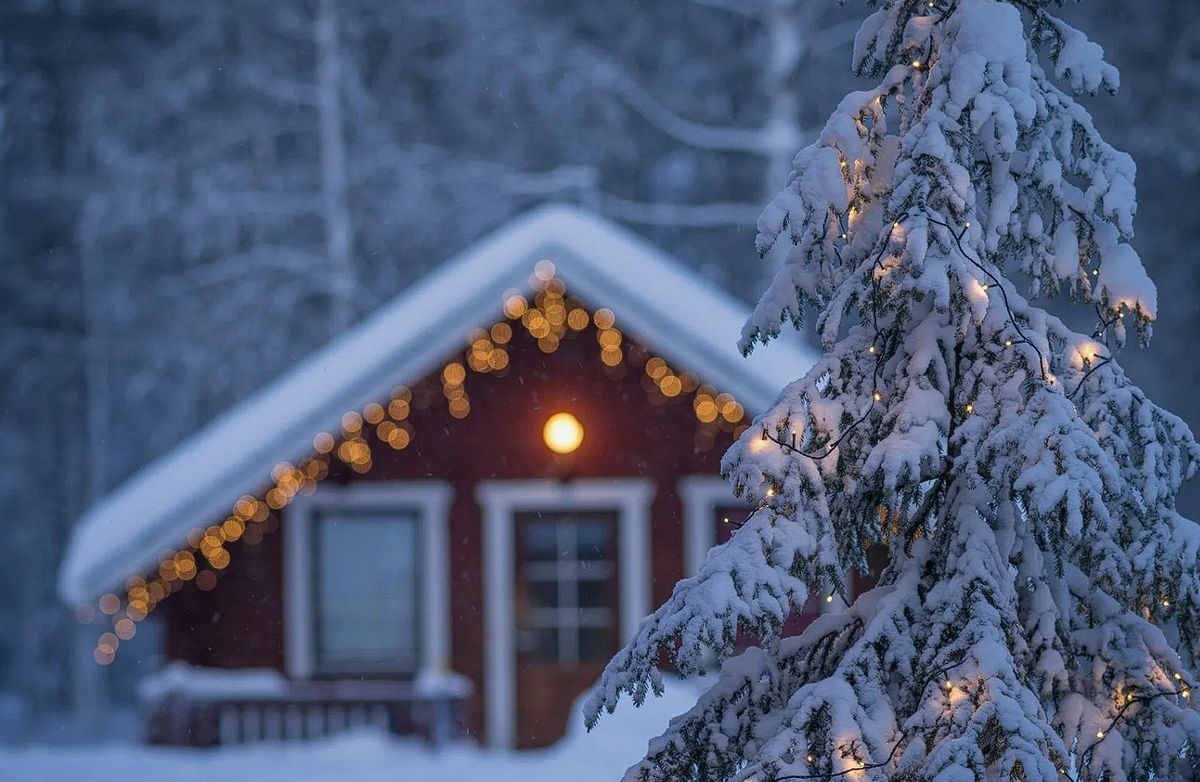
(658,302)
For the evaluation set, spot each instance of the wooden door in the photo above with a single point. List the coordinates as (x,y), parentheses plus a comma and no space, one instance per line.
(565,612)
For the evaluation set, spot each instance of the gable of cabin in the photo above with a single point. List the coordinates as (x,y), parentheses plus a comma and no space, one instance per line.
(427,555)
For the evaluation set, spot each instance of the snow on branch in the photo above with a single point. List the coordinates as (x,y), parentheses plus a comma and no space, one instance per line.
(1023,487)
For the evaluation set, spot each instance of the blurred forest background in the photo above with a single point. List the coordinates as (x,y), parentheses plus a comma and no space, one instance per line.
(198,194)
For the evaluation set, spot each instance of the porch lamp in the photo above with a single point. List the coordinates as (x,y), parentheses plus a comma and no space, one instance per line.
(563,433)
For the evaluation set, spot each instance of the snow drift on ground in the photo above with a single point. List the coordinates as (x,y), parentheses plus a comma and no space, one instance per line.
(364,756)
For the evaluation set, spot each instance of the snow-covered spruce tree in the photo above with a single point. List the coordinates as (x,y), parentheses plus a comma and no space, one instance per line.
(1039,615)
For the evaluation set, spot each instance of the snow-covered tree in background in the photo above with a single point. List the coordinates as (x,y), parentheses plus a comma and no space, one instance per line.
(1039,615)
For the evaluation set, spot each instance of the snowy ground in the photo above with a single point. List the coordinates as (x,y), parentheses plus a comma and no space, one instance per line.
(600,756)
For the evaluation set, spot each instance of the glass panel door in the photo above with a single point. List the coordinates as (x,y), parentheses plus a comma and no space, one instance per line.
(566,614)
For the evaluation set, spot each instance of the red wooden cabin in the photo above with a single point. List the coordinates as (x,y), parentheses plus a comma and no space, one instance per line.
(388,529)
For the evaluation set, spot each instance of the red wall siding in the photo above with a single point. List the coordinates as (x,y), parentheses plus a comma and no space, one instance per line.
(240,622)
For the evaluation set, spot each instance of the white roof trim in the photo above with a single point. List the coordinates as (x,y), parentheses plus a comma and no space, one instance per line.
(685,319)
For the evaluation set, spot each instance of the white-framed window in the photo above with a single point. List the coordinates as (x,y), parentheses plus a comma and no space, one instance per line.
(366,588)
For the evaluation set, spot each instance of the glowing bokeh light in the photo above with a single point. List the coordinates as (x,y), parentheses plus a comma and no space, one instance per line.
(563,433)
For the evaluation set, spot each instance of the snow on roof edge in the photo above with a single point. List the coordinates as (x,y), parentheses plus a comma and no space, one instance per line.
(684,318)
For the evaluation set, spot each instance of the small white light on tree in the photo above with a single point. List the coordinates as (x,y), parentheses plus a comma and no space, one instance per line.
(563,433)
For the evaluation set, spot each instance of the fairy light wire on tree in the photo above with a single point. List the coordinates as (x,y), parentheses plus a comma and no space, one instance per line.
(1024,487)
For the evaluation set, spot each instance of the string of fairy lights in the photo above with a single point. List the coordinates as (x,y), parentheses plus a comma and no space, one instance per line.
(1090,361)
(1126,700)
(549,316)
(878,348)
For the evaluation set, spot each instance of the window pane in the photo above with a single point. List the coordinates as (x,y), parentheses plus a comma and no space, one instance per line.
(592,540)
(596,644)
(367,591)
(541,594)
(538,645)
(594,594)
(540,541)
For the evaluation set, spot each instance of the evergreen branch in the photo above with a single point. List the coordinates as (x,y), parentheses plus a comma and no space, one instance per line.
(904,735)
(1024,338)
(877,339)
(1129,703)
(1082,380)
(1012,317)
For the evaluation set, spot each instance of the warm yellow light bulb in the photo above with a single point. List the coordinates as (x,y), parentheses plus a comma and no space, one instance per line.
(828,598)
(1099,734)
(563,433)
(949,685)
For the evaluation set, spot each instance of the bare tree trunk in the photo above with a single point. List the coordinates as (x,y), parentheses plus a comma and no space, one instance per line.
(91,682)
(782,134)
(339,237)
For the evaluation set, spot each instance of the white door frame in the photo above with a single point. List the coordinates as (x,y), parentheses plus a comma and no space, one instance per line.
(498,501)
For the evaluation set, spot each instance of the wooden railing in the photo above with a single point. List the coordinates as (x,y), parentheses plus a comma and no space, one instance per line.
(306,710)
